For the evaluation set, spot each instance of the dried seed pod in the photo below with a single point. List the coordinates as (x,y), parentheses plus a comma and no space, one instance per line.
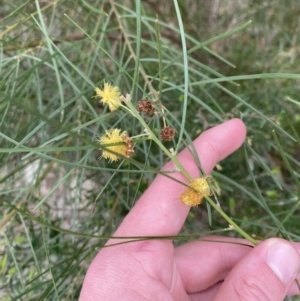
(130,150)
(145,106)
(167,133)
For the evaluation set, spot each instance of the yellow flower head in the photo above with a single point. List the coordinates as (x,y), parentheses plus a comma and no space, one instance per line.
(110,95)
(117,143)
(199,189)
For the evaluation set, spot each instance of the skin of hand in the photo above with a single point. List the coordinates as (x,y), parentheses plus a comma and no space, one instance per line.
(215,269)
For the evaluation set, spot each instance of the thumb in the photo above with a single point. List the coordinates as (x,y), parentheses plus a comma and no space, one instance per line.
(265,273)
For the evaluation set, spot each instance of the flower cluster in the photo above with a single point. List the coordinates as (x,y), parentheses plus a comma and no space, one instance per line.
(119,144)
(198,189)
(109,95)
(116,144)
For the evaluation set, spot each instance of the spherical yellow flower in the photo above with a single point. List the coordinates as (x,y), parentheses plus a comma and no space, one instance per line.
(199,188)
(116,144)
(110,95)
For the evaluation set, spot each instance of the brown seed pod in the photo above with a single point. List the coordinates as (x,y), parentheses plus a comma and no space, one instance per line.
(129,151)
(167,133)
(145,106)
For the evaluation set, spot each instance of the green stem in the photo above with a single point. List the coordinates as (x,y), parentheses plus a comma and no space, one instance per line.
(230,221)
(159,50)
(138,136)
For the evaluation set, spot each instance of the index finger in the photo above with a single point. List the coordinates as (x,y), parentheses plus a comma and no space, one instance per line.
(159,210)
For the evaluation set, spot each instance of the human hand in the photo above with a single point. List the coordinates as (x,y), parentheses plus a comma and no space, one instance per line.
(201,270)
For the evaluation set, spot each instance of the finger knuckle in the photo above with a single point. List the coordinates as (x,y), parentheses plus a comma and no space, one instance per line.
(212,148)
(250,289)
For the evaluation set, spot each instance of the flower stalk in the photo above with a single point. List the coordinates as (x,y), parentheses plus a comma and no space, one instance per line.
(230,221)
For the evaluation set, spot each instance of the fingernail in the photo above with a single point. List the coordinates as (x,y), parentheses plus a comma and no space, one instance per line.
(283,260)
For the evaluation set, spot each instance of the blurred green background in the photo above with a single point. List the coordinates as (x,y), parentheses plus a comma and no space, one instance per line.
(59,202)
